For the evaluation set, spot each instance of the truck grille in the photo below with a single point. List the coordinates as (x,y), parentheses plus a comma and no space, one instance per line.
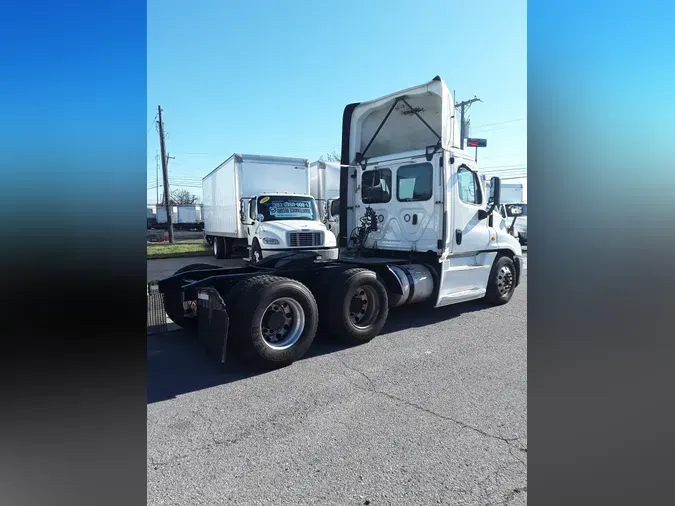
(305,239)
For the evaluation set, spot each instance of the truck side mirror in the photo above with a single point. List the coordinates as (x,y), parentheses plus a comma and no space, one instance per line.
(493,199)
(495,191)
(260,217)
(242,211)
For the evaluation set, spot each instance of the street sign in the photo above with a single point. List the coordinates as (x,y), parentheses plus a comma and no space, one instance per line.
(476,143)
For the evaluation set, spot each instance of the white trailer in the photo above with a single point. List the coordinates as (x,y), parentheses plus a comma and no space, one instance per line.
(417,227)
(263,203)
(512,193)
(324,183)
(325,188)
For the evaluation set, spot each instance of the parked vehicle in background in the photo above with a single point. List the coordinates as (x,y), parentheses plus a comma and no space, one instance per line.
(325,188)
(263,204)
(183,216)
(512,193)
(324,183)
(416,227)
(516,218)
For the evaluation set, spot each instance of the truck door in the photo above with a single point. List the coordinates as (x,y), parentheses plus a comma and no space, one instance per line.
(469,233)
(252,223)
(402,196)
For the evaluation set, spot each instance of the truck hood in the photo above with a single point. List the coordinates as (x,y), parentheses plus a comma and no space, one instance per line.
(283,226)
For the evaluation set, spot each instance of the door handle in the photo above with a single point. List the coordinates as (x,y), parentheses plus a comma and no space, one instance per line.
(458,236)
(414,219)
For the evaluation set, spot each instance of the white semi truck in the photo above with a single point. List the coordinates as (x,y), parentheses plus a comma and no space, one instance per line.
(263,204)
(416,228)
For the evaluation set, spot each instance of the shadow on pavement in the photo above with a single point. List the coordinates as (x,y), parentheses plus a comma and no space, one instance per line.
(178,364)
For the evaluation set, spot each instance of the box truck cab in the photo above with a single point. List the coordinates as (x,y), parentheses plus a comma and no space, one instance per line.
(263,204)
(277,223)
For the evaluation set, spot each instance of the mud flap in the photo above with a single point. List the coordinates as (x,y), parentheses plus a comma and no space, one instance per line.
(213,322)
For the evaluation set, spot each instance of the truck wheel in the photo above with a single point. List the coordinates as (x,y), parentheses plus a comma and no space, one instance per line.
(218,248)
(358,306)
(274,320)
(229,245)
(183,313)
(256,252)
(502,281)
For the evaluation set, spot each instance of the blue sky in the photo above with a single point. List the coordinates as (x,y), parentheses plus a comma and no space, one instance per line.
(273,77)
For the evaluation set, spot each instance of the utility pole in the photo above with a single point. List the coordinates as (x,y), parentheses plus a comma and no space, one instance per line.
(157,176)
(463,107)
(165,173)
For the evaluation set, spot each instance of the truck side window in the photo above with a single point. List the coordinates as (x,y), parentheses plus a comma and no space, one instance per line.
(414,182)
(376,186)
(468,185)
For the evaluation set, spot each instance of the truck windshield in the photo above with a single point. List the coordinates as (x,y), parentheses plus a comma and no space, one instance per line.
(281,207)
(513,210)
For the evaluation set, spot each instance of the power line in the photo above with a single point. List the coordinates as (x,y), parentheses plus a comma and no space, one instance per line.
(499,123)
(152,123)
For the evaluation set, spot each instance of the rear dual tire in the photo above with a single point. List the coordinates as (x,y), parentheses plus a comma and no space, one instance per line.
(222,248)
(356,310)
(273,320)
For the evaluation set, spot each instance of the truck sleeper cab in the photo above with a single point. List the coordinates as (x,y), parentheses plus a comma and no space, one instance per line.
(415,227)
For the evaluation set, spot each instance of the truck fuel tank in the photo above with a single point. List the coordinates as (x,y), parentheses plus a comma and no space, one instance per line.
(417,284)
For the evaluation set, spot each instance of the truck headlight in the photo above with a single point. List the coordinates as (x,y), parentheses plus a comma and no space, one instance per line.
(270,240)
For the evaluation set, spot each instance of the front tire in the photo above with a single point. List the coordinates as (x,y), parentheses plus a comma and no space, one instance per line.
(274,320)
(502,281)
(357,307)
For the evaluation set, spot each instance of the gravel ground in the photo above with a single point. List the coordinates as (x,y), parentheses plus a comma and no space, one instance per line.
(433,411)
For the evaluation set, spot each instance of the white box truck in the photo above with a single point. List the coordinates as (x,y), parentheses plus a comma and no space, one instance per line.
(512,193)
(416,225)
(325,188)
(263,204)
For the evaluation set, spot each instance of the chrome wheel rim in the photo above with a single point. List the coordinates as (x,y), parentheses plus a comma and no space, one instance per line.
(282,323)
(215,247)
(363,307)
(504,280)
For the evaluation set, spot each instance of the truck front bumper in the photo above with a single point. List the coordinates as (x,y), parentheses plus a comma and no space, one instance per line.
(324,253)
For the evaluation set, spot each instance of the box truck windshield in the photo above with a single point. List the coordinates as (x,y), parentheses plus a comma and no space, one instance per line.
(279,207)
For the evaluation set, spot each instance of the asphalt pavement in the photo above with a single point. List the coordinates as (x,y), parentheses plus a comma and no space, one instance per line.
(432,411)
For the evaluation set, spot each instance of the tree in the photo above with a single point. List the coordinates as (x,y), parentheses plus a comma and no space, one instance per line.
(181,196)
(331,156)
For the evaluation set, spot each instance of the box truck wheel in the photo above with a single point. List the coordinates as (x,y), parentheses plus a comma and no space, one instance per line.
(274,320)
(358,306)
(229,245)
(219,247)
(502,281)
(183,312)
